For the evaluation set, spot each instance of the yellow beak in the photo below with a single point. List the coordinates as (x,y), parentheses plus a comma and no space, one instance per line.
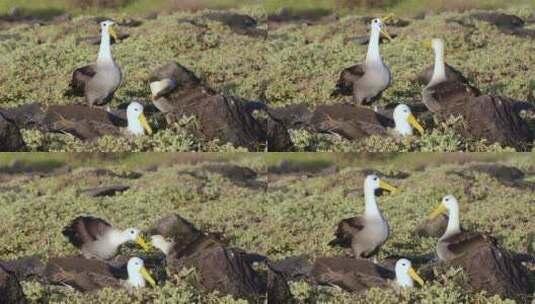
(427,44)
(388,17)
(385,186)
(416,277)
(142,243)
(438,211)
(144,123)
(146,275)
(415,124)
(386,34)
(112,33)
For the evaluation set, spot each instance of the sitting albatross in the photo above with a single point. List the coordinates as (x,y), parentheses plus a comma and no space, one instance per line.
(90,275)
(450,73)
(97,239)
(454,242)
(405,121)
(365,234)
(99,81)
(445,94)
(366,81)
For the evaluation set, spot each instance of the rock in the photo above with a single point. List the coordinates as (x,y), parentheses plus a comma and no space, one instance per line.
(238,23)
(308,17)
(500,172)
(10,138)
(494,119)
(106,191)
(25,268)
(10,289)
(26,116)
(226,118)
(494,270)
(503,21)
(278,291)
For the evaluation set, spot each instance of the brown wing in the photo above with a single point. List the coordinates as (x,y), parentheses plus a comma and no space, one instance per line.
(348,77)
(81,274)
(449,97)
(85,229)
(80,77)
(347,228)
(466,241)
(452,74)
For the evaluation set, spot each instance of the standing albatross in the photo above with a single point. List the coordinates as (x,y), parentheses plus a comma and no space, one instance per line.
(366,81)
(455,242)
(99,81)
(365,234)
(446,94)
(97,239)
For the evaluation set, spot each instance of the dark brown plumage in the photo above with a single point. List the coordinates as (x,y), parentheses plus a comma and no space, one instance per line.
(83,274)
(348,77)
(80,77)
(85,229)
(345,231)
(457,245)
(452,74)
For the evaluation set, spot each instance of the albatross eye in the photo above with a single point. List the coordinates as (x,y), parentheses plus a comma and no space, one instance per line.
(447,199)
(375,178)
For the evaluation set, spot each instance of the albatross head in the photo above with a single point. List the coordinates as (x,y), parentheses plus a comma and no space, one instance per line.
(406,275)
(161,243)
(448,204)
(107,27)
(378,25)
(134,235)
(405,121)
(138,274)
(137,122)
(373,182)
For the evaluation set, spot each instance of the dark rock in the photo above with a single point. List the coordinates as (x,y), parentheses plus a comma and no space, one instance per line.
(503,21)
(26,116)
(10,289)
(238,23)
(494,119)
(278,291)
(308,17)
(25,268)
(106,191)
(500,172)
(10,138)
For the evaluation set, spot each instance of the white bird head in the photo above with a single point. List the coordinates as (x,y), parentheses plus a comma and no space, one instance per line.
(373,182)
(378,25)
(405,121)
(448,203)
(107,27)
(137,122)
(138,274)
(161,243)
(134,235)
(406,275)
(437,44)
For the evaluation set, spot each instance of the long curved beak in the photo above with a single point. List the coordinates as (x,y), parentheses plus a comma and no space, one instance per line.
(144,123)
(386,34)
(416,277)
(146,275)
(142,243)
(112,33)
(388,187)
(415,124)
(440,209)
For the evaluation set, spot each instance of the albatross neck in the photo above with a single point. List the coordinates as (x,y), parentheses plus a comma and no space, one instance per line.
(439,72)
(371,209)
(453,222)
(104,54)
(374,56)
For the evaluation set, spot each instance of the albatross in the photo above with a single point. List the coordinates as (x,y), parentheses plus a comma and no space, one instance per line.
(366,81)
(440,69)
(405,121)
(443,91)
(99,81)
(89,275)
(365,234)
(97,239)
(454,242)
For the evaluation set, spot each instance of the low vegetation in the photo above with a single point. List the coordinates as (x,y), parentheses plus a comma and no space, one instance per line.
(294,216)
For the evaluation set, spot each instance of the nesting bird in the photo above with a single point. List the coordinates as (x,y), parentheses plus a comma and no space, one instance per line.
(405,121)
(365,234)
(99,81)
(137,122)
(454,242)
(97,239)
(366,81)
(89,275)
(406,275)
